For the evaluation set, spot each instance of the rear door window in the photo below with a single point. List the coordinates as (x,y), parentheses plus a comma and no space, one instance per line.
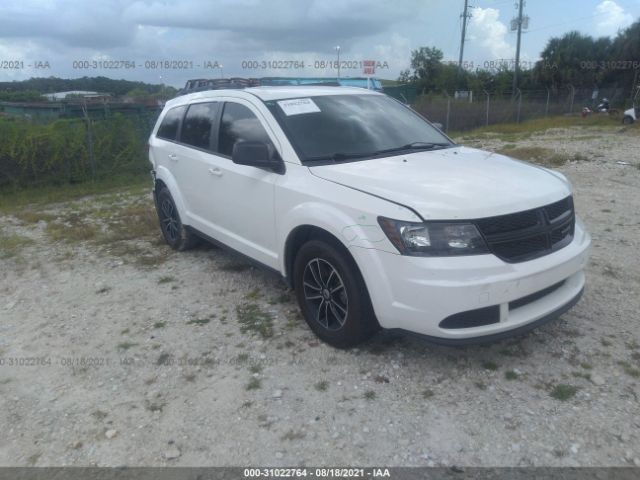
(198,125)
(171,123)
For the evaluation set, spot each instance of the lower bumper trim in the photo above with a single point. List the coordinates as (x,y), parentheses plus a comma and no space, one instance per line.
(497,336)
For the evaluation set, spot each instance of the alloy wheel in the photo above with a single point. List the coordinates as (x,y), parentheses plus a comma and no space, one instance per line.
(170,220)
(325,294)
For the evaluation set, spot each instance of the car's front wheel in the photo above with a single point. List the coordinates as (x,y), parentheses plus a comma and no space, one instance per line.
(627,120)
(173,231)
(332,295)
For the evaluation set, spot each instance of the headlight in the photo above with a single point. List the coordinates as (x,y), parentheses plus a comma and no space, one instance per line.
(433,239)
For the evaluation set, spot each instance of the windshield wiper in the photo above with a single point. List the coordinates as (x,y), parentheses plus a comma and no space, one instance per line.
(414,146)
(340,156)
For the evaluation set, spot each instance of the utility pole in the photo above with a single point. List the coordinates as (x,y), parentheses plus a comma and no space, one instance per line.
(465,16)
(517,65)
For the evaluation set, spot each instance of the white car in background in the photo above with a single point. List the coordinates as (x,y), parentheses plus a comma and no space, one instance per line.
(371,214)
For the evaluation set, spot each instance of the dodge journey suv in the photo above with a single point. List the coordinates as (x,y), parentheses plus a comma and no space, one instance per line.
(371,214)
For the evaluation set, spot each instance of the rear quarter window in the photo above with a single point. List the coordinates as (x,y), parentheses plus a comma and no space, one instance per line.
(198,124)
(170,125)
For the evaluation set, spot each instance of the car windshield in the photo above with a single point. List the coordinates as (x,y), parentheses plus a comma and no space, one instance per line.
(351,127)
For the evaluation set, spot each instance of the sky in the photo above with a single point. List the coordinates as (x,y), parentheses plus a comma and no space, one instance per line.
(160,41)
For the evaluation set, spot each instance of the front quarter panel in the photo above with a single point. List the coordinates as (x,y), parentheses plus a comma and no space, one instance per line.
(349,215)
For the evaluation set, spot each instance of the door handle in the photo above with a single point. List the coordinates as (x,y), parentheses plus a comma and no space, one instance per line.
(215,171)
(173,158)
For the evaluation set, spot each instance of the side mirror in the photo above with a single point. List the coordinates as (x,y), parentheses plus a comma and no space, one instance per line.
(256,154)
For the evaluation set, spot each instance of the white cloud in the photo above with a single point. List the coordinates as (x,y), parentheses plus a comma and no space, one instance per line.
(489,33)
(611,17)
(397,53)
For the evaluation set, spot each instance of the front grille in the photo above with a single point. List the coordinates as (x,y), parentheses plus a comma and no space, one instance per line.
(522,236)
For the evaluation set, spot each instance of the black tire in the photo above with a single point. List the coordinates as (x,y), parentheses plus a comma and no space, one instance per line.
(173,231)
(341,315)
(627,120)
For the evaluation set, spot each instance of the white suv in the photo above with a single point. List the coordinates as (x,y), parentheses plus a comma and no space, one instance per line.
(373,216)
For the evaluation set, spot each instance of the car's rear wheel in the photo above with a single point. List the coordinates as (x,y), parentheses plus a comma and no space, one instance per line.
(173,231)
(627,120)
(332,295)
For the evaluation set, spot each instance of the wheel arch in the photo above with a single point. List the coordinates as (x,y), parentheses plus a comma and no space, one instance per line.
(298,237)
(164,178)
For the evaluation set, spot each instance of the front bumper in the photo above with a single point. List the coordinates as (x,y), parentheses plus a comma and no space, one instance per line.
(416,293)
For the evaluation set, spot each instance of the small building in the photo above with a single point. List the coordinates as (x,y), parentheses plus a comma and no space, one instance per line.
(84,94)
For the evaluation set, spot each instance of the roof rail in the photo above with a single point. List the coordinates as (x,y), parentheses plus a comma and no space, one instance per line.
(202,84)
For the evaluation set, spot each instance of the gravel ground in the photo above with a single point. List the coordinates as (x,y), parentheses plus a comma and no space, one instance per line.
(130,354)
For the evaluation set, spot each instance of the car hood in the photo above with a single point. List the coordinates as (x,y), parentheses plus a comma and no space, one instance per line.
(452,183)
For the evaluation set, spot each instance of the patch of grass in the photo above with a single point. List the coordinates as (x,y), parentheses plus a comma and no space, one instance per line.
(322,386)
(200,321)
(511,375)
(128,184)
(33,216)
(150,259)
(370,395)
(253,294)
(12,244)
(585,375)
(132,222)
(99,414)
(610,271)
(166,279)
(283,298)
(160,324)
(124,332)
(72,228)
(155,407)
(104,289)
(427,393)
(126,345)
(629,370)
(539,155)
(255,368)
(586,366)
(563,392)
(254,384)
(543,124)
(242,357)
(480,385)
(253,319)
(292,435)
(163,359)
(489,365)
(605,343)
(632,345)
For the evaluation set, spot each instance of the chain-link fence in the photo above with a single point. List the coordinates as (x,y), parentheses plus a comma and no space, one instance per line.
(72,150)
(481,108)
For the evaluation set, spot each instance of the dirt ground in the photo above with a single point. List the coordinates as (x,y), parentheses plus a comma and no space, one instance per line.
(115,350)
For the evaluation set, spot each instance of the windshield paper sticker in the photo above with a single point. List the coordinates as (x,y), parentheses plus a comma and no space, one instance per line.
(298,106)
